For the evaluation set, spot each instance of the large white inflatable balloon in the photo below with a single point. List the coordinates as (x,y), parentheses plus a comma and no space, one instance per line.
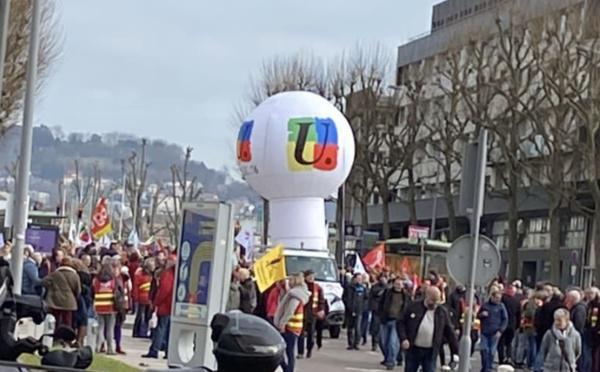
(295,149)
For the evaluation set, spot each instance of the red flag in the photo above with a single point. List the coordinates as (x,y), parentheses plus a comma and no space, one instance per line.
(376,257)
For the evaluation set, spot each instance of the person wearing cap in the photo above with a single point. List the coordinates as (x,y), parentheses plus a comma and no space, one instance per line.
(313,310)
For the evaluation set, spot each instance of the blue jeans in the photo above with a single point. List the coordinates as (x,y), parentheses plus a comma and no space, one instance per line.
(489,345)
(364,325)
(160,335)
(531,351)
(290,341)
(418,357)
(389,342)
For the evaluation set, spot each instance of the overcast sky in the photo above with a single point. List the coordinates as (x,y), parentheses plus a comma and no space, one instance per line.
(175,69)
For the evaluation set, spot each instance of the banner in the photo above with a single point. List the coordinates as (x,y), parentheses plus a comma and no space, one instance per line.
(270,268)
(246,239)
(359,268)
(84,237)
(375,259)
(101,220)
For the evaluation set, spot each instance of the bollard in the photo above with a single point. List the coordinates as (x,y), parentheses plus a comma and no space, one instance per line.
(92,333)
(49,327)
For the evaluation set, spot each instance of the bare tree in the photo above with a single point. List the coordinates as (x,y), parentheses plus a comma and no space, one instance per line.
(554,125)
(448,129)
(136,173)
(184,189)
(585,101)
(16,56)
(82,186)
(514,85)
(358,81)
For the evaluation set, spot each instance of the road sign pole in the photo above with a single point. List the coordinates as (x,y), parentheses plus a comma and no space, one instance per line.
(466,342)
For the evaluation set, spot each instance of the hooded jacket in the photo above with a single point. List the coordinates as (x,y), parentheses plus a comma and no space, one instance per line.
(288,305)
(552,352)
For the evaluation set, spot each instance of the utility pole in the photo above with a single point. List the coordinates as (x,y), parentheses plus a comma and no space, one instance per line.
(21,205)
(341,225)
(122,205)
(476,212)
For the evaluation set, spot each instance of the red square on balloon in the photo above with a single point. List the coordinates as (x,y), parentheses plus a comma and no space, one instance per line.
(244,153)
(326,157)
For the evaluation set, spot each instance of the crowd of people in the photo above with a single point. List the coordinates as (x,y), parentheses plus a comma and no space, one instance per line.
(89,284)
(541,328)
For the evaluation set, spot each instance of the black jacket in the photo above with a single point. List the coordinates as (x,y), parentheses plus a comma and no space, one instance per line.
(386,303)
(578,315)
(544,316)
(355,299)
(443,328)
(513,308)
(376,295)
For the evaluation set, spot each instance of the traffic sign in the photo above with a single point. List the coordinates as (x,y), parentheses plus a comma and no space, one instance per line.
(458,260)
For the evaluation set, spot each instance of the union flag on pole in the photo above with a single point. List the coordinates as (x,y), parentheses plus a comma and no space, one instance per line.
(375,259)
(101,225)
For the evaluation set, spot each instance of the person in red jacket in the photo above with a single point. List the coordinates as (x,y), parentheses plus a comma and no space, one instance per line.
(273,298)
(162,304)
(142,282)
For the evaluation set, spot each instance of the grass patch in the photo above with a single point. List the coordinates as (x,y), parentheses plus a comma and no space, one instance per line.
(100,363)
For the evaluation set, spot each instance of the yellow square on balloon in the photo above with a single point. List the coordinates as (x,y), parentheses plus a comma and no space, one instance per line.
(305,163)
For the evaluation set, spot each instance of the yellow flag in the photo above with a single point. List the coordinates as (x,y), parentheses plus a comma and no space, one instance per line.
(270,268)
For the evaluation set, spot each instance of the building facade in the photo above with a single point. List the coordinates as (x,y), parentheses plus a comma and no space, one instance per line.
(455,25)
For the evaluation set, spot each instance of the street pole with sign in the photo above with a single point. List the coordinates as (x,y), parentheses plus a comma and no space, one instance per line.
(476,212)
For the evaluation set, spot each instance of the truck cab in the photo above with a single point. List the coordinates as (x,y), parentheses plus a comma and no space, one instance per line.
(327,276)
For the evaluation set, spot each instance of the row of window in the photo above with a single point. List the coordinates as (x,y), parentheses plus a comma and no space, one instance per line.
(537,233)
(464,13)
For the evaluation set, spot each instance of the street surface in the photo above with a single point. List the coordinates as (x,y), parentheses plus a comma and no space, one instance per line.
(332,358)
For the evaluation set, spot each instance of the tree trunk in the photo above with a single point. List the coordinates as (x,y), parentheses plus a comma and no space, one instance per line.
(364,214)
(513,243)
(412,202)
(596,235)
(385,205)
(452,226)
(555,273)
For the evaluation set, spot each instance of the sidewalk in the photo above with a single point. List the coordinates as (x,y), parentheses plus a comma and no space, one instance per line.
(135,348)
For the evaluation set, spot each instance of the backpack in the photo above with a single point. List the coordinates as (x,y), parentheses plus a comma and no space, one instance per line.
(120,304)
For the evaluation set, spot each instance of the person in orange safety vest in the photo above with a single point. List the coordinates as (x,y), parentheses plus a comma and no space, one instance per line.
(141,296)
(313,311)
(289,318)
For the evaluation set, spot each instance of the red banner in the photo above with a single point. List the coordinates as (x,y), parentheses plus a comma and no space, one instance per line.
(101,220)
(375,259)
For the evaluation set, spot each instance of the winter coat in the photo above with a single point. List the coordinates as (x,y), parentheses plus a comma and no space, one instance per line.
(248,300)
(288,305)
(494,318)
(578,313)
(64,287)
(592,323)
(376,296)
(544,316)
(513,309)
(233,302)
(551,353)
(355,299)
(443,330)
(31,284)
(164,293)
(386,304)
